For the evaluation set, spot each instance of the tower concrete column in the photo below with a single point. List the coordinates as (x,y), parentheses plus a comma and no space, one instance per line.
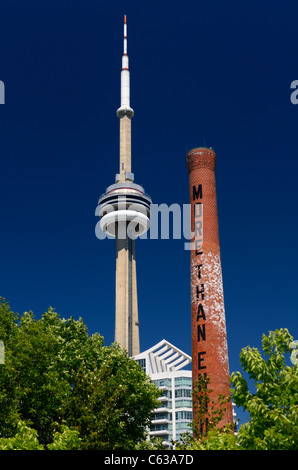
(126,311)
(208,322)
(125,146)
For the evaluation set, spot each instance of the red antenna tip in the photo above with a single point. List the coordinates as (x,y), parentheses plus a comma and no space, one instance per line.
(124,18)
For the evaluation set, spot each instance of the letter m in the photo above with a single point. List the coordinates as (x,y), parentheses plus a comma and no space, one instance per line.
(197,193)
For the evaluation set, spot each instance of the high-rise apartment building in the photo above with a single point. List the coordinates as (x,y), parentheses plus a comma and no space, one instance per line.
(165,364)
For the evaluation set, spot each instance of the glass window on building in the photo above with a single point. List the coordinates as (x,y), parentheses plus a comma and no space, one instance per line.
(183,415)
(183,403)
(183,382)
(161,427)
(163,382)
(162,415)
(165,404)
(183,427)
(183,392)
(142,363)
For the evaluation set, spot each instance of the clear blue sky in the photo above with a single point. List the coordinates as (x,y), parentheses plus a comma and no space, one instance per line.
(202,73)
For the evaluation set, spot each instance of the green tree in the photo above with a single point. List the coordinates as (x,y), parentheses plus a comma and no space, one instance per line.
(24,439)
(66,439)
(154,443)
(112,403)
(273,408)
(8,393)
(214,439)
(55,374)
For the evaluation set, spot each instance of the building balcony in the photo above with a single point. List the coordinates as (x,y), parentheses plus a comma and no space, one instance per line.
(160,421)
(160,432)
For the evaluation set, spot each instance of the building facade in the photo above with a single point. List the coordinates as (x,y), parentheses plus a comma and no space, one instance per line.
(165,364)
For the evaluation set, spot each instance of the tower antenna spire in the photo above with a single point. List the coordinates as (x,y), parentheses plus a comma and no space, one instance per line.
(125,37)
(125,79)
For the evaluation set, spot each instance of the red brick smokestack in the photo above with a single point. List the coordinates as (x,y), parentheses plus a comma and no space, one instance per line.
(208,324)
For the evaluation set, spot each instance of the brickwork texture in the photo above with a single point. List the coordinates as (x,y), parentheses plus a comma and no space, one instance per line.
(208,322)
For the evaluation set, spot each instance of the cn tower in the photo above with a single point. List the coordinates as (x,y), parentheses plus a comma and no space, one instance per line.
(124,212)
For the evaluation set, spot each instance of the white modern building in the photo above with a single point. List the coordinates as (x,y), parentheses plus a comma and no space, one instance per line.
(164,363)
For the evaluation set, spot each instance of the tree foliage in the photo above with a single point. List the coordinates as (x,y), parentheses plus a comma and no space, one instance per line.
(56,375)
(63,389)
(273,407)
(24,439)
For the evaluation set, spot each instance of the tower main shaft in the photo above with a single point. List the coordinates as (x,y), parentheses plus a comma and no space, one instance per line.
(125,148)
(126,319)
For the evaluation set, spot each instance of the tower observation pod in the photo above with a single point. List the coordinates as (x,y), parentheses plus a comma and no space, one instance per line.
(124,212)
